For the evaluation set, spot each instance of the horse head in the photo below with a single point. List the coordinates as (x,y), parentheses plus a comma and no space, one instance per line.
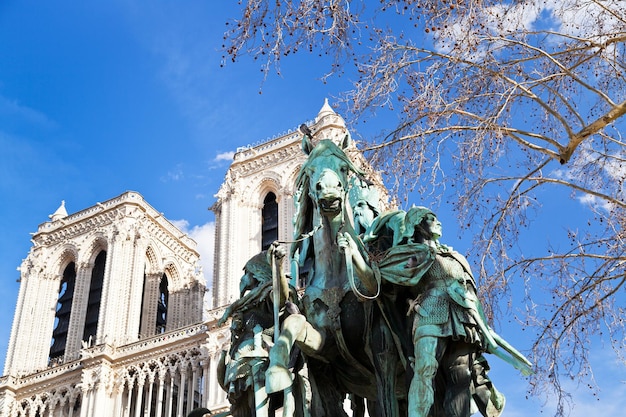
(325,175)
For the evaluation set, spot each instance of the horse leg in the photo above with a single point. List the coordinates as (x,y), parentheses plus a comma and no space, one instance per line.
(357,404)
(327,397)
(488,399)
(385,358)
(457,364)
(295,328)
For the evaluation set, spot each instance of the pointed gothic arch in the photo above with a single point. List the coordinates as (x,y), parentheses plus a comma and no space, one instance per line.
(59,259)
(93,244)
(172,269)
(152,260)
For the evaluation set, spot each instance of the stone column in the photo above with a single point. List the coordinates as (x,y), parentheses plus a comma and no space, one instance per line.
(113,291)
(140,386)
(148,410)
(181,391)
(79,306)
(194,385)
(119,394)
(159,402)
(170,395)
(212,378)
(129,399)
(206,398)
(70,406)
(135,264)
(108,300)
(84,404)
(42,322)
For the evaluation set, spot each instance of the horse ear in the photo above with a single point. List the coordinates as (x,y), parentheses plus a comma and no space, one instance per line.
(307,145)
(346,142)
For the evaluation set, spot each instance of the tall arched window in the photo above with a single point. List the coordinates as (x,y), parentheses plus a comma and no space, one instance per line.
(162,302)
(63,310)
(95,296)
(154,305)
(269,229)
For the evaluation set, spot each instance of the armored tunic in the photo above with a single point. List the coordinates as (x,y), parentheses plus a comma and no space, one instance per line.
(446,304)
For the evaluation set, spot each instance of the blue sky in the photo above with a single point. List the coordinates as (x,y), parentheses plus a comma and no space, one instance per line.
(98,98)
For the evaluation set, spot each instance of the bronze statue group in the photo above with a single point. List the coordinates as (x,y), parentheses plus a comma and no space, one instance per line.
(388,323)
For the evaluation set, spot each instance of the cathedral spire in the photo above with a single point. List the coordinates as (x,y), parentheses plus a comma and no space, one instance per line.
(325,111)
(60,213)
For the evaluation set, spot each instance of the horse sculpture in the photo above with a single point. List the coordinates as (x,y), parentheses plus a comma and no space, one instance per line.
(348,347)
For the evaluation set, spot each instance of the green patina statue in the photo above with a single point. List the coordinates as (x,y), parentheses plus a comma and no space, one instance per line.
(243,366)
(389,315)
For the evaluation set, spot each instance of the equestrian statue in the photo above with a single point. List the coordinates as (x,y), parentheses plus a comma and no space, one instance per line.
(388,324)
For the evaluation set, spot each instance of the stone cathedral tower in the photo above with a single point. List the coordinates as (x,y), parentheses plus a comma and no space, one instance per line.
(109,317)
(110,274)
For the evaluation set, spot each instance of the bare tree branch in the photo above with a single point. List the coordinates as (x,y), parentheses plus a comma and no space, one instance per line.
(487,93)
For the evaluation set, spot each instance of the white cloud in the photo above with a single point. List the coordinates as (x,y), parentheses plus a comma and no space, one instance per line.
(508,19)
(586,19)
(225,156)
(175,174)
(595,202)
(15,110)
(204,235)
(608,176)
(183,225)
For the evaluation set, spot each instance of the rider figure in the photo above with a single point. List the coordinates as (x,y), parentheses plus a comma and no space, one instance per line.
(449,330)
